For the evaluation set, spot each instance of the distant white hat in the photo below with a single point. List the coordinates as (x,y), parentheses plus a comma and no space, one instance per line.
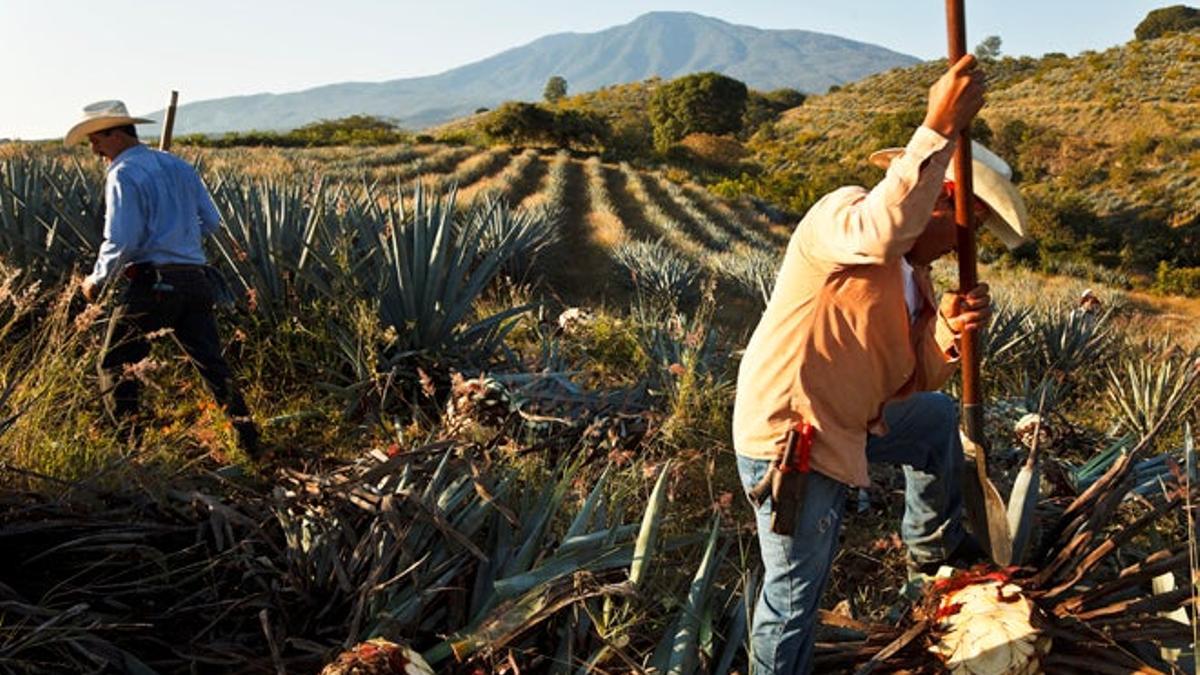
(991,179)
(100,116)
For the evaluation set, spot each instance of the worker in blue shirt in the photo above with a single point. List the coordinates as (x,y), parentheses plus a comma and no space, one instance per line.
(157,211)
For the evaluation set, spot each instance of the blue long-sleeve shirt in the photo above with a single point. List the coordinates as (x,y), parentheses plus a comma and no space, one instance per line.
(157,211)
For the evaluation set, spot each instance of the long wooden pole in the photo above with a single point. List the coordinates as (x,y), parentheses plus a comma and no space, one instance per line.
(164,141)
(985,506)
(972,397)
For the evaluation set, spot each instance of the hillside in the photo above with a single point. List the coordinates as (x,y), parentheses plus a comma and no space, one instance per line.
(658,44)
(1106,146)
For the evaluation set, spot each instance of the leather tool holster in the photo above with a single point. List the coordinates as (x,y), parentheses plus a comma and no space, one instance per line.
(786,481)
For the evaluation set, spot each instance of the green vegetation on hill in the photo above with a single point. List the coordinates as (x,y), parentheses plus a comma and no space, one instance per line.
(1176,18)
(354,130)
(1105,146)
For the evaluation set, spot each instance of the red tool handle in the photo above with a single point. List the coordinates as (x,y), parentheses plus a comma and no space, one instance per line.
(799,449)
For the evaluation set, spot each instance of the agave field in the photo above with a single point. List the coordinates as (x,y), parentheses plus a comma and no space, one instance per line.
(496,385)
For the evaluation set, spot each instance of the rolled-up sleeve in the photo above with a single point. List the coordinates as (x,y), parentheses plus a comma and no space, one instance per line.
(854,226)
(124,225)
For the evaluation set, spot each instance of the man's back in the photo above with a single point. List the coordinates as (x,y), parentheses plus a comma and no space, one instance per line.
(158,210)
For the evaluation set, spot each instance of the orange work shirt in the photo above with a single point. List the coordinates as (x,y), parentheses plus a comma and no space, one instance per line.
(836,342)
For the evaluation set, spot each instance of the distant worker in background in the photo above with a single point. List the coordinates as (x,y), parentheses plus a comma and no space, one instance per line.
(1090,303)
(843,366)
(157,211)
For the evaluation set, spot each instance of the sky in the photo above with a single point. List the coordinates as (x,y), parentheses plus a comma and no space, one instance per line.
(63,54)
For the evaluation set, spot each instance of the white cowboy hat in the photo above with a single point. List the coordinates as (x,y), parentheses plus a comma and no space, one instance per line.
(100,116)
(992,182)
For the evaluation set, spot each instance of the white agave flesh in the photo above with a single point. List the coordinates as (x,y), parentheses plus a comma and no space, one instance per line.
(991,633)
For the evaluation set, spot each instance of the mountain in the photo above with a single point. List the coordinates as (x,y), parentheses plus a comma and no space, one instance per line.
(663,44)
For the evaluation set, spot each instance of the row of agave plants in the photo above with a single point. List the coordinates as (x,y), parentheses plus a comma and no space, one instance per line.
(450,546)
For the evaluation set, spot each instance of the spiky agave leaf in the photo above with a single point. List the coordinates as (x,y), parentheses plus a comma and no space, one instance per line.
(1142,390)
(678,651)
(647,536)
(1096,612)
(431,274)
(657,272)
(271,230)
(51,216)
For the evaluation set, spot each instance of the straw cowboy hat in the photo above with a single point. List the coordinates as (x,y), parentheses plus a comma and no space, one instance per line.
(100,116)
(992,182)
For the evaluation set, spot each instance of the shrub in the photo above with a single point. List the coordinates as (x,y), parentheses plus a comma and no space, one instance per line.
(521,123)
(1159,22)
(1178,281)
(764,107)
(516,122)
(704,102)
(352,130)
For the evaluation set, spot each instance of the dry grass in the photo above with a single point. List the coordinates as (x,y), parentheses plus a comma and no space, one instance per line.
(606,229)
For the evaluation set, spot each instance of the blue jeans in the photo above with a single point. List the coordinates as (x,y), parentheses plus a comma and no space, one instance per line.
(923,438)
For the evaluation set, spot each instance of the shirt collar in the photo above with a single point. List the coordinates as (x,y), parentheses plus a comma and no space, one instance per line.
(127,154)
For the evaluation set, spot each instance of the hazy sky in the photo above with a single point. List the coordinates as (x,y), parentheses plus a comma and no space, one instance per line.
(59,55)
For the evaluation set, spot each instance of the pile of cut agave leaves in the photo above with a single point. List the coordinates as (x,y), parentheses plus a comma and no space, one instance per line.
(1067,601)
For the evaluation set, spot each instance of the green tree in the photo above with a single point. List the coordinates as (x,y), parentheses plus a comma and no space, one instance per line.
(989,49)
(1176,18)
(516,122)
(556,89)
(704,102)
(579,128)
(528,123)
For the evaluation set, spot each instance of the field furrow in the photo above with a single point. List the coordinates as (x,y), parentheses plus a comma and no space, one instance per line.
(434,164)
(474,169)
(503,183)
(602,217)
(749,231)
(627,207)
(580,264)
(658,196)
(714,234)
(536,187)
(664,225)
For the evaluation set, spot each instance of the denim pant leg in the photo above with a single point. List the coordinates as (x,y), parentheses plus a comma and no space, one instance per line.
(796,570)
(923,438)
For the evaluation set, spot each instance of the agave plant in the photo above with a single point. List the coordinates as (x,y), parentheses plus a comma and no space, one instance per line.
(752,272)
(1084,601)
(51,215)
(429,273)
(520,236)
(1071,341)
(658,273)
(1146,389)
(271,231)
